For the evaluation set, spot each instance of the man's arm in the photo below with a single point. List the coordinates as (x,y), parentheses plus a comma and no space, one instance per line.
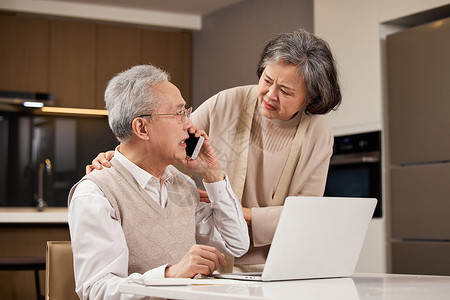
(100,251)
(221,223)
(99,247)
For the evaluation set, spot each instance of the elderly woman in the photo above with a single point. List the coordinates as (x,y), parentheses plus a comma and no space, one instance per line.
(272,139)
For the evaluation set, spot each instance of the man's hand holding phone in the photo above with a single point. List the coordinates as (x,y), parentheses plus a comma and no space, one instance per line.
(193,145)
(206,163)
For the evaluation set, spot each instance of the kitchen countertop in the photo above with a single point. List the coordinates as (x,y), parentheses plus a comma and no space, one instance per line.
(357,287)
(31,215)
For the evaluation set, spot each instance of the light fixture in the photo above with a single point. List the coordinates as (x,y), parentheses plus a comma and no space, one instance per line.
(74,111)
(33,104)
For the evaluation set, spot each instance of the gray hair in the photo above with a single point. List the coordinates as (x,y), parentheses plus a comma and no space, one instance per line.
(315,64)
(130,94)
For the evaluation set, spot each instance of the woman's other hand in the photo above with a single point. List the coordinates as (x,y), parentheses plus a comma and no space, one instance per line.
(247,215)
(203,196)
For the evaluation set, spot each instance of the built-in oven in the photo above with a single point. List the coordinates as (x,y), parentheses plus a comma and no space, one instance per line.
(355,168)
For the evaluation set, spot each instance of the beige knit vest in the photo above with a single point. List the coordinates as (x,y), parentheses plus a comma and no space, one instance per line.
(155,236)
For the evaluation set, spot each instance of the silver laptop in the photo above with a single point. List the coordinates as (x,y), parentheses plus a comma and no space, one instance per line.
(316,237)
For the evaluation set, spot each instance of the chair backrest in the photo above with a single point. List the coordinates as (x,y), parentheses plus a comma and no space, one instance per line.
(59,278)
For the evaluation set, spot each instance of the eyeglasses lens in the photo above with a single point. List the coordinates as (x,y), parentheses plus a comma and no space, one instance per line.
(186,114)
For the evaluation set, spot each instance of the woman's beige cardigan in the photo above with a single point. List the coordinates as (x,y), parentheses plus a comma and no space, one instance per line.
(269,146)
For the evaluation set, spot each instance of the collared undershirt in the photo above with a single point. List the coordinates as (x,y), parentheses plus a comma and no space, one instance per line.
(151,184)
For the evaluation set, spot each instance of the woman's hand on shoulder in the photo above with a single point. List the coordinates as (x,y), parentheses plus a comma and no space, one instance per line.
(102,160)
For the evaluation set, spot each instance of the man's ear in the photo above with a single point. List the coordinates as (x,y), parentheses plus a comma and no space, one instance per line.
(141,128)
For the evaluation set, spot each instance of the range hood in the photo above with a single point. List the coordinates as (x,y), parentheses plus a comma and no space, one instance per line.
(26,99)
(41,104)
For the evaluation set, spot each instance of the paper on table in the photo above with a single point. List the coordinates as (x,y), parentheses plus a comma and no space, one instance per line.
(189,281)
(167,281)
(212,281)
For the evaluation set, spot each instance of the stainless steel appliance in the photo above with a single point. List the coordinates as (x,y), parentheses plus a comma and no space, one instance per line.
(418,65)
(355,168)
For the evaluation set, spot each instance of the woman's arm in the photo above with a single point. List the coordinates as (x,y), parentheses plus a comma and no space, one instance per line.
(220,223)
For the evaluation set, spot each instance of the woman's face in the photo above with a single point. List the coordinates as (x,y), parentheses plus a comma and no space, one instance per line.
(281,91)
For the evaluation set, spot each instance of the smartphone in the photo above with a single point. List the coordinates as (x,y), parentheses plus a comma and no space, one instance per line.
(193,145)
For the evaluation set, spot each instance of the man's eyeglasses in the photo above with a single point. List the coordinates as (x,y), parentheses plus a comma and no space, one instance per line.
(182,115)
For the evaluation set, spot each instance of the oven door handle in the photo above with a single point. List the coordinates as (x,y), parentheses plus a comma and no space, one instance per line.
(350,159)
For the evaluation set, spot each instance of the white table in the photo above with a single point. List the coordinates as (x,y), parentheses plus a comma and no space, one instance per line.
(360,286)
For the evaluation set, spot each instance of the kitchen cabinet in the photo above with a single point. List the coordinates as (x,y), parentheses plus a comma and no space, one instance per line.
(429,257)
(418,90)
(73,63)
(23,53)
(118,49)
(170,51)
(420,204)
(74,60)
(167,50)
(419,148)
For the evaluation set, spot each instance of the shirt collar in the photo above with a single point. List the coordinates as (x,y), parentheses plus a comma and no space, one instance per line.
(141,176)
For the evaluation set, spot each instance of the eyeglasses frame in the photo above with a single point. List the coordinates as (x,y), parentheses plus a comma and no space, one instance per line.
(184,114)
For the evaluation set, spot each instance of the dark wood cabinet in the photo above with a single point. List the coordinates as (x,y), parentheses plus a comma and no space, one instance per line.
(72,63)
(171,52)
(24,54)
(118,49)
(74,60)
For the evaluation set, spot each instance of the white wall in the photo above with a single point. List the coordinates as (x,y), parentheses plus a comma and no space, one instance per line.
(226,50)
(353,30)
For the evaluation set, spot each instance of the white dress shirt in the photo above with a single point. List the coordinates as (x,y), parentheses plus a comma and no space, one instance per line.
(101,267)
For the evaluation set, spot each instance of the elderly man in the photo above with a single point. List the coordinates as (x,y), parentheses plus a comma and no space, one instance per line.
(142,217)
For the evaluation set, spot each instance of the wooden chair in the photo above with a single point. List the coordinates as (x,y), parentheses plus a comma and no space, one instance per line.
(60,281)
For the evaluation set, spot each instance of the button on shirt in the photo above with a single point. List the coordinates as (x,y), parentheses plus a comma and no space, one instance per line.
(102,265)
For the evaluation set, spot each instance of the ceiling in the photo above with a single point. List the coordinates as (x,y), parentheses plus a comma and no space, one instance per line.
(194,7)
(178,14)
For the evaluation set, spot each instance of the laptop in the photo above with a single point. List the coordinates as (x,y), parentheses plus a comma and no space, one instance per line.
(316,237)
